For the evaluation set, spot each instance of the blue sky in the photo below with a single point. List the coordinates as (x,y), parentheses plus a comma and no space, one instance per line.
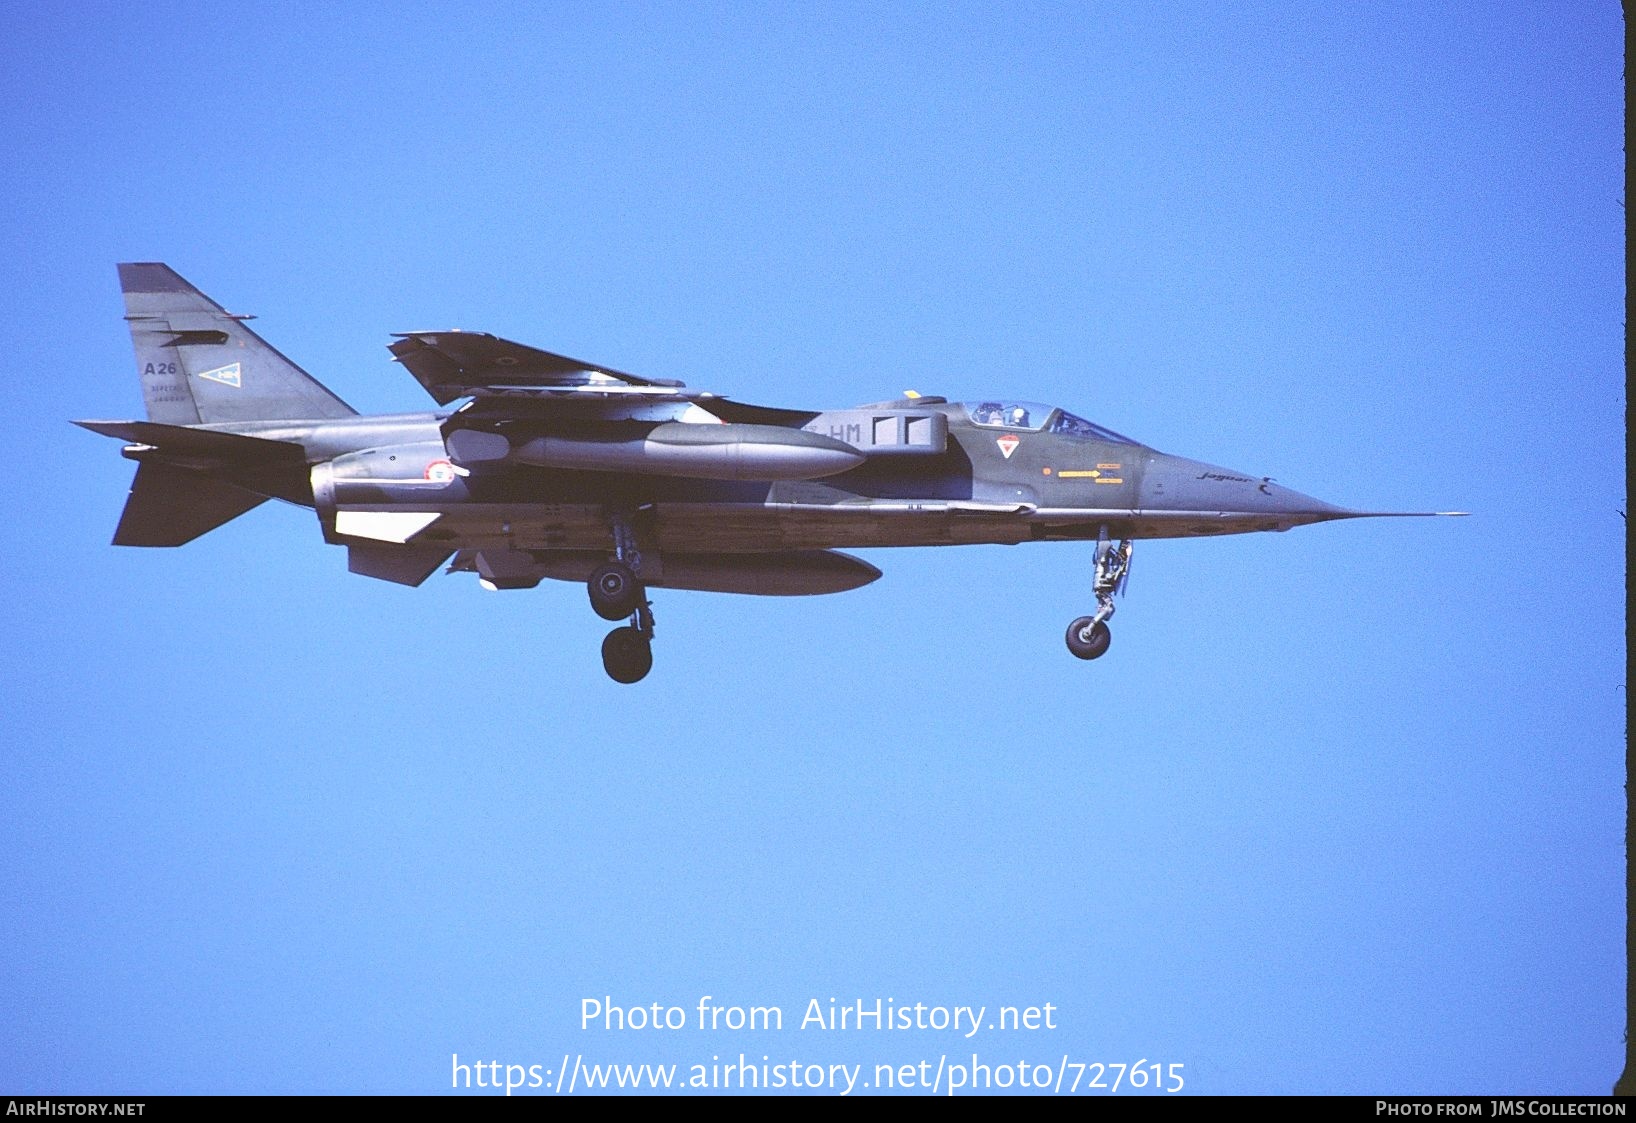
(1341,810)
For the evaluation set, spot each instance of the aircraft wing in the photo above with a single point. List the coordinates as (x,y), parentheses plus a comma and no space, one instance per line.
(460,364)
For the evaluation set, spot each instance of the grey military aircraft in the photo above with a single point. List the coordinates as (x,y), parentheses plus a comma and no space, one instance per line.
(562,469)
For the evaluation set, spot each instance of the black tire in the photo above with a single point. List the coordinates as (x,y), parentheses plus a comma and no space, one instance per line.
(1087,642)
(627,655)
(615,591)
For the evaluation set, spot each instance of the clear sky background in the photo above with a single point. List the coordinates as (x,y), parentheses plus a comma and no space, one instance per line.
(1341,811)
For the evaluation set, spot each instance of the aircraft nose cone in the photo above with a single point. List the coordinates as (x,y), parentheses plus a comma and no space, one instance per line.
(1175,483)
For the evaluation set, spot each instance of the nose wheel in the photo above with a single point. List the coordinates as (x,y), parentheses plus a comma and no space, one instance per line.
(1088,637)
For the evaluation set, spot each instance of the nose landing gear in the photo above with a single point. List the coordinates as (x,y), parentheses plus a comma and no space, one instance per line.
(1088,637)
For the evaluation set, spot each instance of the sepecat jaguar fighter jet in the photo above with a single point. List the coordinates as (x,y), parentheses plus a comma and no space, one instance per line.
(556,468)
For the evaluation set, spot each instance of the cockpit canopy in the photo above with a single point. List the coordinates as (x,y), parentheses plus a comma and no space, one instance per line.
(1032,416)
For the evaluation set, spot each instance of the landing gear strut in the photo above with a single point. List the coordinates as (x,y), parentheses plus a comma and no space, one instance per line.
(617,592)
(1088,637)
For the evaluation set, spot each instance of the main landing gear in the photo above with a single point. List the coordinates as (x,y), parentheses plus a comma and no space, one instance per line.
(617,593)
(1089,637)
(627,653)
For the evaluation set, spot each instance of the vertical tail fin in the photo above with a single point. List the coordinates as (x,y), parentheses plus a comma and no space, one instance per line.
(200,364)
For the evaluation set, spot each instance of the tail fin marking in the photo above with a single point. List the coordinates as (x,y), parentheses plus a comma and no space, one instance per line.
(201,365)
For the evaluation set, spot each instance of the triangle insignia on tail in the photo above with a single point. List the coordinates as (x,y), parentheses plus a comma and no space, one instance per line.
(228,375)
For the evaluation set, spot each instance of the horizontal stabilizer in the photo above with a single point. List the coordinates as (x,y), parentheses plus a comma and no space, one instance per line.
(402,565)
(169,506)
(187,441)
